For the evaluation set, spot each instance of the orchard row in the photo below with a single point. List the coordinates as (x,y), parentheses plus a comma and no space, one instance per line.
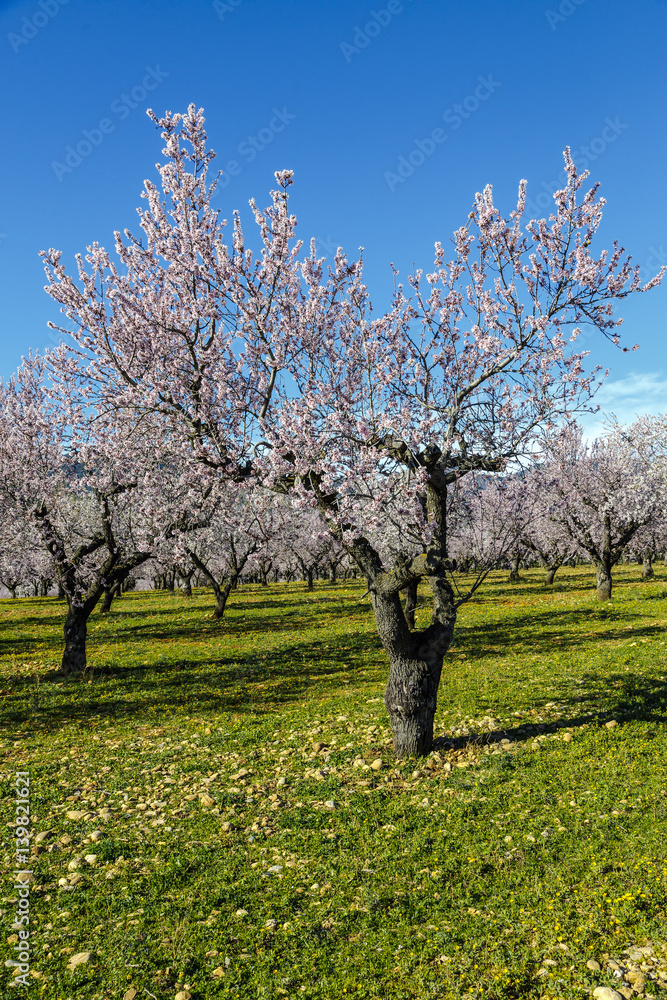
(224,411)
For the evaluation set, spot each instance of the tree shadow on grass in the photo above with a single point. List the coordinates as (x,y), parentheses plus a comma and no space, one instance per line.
(480,641)
(635,697)
(255,685)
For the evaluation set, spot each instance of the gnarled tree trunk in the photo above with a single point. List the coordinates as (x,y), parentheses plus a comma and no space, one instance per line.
(551,573)
(415,666)
(75,631)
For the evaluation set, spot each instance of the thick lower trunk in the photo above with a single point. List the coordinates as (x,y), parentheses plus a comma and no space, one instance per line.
(309,578)
(74,654)
(603,582)
(647,568)
(551,574)
(514,569)
(411,698)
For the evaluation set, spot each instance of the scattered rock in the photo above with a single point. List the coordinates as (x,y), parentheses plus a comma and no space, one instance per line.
(376,765)
(241,913)
(206,801)
(131,994)
(81,958)
(183,995)
(593,965)
(74,814)
(271,925)
(606,993)
(612,724)
(218,973)
(42,836)
(226,827)
(274,869)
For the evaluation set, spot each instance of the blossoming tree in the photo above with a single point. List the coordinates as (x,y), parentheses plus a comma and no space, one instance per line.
(600,495)
(273,368)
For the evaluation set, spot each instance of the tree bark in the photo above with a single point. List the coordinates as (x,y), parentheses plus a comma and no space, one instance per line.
(551,573)
(603,581)
(185,576)
(647,568)
(415,658)
(514,568)
(106,602)
(415,666)
(75,630)
(108,597)
(221,595)
(410,603)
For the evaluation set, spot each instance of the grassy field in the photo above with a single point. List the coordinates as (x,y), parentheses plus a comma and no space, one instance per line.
(219,814)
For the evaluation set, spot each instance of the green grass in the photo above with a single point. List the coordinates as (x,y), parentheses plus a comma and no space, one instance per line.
(478,872)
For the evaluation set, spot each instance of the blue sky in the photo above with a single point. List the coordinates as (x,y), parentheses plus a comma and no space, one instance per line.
(342,93)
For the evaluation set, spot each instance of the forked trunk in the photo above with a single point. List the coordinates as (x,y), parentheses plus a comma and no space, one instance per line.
(221,596)
(551,574)
(75,629)
(415,665)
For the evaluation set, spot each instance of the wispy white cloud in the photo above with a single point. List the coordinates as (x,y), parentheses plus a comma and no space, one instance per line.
(628,398)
